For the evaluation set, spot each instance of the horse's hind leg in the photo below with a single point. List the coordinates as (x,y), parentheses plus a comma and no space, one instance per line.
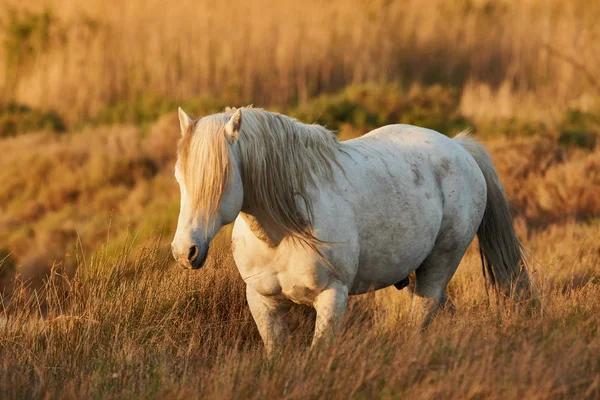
(432,277)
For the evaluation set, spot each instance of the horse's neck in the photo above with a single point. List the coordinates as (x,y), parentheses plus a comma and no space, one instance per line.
(262,228)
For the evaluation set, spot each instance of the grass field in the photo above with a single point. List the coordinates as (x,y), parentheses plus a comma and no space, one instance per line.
(528,59)
(93,305)
(120,320)
(148,329)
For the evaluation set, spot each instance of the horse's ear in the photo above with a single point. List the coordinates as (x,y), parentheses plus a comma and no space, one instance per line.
(184,121)
(232,128)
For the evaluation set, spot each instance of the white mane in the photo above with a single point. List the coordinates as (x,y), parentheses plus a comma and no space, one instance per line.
(279,158)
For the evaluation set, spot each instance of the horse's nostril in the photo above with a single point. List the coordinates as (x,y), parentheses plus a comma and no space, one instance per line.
(193,253)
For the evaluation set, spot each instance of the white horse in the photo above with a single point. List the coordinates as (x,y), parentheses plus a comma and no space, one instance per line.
(317,220)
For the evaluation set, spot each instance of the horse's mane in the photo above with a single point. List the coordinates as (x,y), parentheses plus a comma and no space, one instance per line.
(280,158)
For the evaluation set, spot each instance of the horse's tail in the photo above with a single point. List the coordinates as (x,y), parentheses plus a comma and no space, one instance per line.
(502,254)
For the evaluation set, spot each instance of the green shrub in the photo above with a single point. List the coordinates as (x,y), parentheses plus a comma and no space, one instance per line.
(16,119)
(584,139)
(434,107)
(145,109)
(366,107)
(580,129)
(512,127)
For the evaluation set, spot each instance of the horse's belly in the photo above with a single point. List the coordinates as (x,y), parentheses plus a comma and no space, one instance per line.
(386,268)
(396,244)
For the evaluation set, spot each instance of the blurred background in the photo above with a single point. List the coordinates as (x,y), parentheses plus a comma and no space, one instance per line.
(89,89)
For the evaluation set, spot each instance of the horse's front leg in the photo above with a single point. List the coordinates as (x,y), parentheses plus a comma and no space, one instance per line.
(330,304)
(269,317)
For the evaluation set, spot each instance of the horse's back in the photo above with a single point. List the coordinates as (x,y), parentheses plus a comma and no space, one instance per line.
(405,137)
(421,149)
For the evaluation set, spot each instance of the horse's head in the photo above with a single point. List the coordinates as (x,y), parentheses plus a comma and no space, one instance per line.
(210,182)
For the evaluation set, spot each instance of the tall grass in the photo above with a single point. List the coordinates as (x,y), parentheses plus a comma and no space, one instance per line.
(531,59)
(139,327)
(89,312)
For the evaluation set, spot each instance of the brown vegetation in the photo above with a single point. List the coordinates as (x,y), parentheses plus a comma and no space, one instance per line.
(125,322)
(60,189)
(149,329)
(528,59)
(93,305)
(546,183)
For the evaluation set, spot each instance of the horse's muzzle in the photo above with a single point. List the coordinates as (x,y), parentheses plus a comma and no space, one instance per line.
(199,262)
(194,259)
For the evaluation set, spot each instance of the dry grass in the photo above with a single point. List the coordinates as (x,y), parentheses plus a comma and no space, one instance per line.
(99,310)
(60,189)
(547,183)
(528,59)
(145,328)
(122,321)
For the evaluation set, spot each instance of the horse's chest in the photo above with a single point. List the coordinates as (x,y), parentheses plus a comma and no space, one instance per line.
(291,274)
(266,285)
(300,289)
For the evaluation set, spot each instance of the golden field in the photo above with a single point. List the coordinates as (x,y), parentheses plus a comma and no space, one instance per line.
(529,59)
(93,305)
